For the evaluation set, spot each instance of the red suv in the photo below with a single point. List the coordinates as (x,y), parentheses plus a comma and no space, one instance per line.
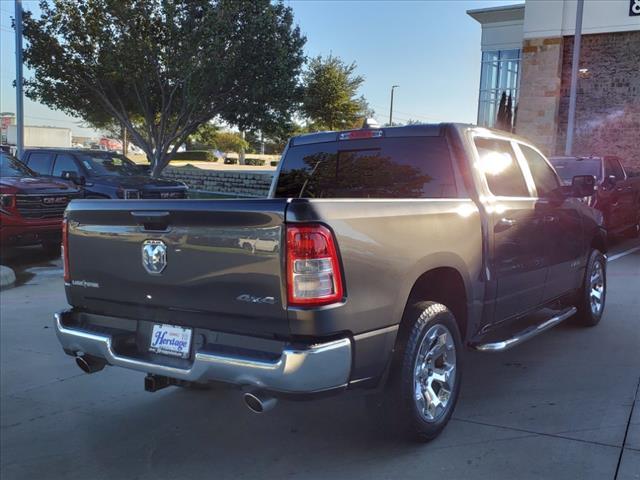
(31,207)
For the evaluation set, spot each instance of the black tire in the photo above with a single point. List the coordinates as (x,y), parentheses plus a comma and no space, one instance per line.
(422,319)
(52,249)
(588,315)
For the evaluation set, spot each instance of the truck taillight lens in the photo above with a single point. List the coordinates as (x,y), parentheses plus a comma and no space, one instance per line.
(65,250)
(313,269)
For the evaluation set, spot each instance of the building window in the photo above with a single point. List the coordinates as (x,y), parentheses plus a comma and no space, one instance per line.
(500,74)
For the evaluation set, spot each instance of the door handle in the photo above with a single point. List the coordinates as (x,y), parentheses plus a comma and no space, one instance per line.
(152,220)
(505,223)
(550,218)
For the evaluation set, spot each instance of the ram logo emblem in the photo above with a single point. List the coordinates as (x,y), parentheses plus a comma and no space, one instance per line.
(154,256)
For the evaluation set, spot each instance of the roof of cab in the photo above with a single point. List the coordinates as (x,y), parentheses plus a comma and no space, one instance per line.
(417,130)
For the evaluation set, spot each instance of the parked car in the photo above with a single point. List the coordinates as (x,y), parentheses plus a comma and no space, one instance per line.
(617,193)
(102,174)
(396,249)
(31,207)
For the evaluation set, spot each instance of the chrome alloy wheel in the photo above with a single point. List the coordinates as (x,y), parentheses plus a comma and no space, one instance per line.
(434,373)
(597,288)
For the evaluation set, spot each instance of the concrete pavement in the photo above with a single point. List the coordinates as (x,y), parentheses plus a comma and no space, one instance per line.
(559,406)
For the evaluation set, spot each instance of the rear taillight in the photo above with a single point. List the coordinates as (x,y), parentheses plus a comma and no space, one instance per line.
(65,250)
(313,269)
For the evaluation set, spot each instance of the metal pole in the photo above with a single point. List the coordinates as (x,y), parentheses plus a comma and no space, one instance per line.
(574,79)
(391,107)
(19,86)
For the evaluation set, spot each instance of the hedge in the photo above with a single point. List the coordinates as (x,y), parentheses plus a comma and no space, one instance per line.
(199,155)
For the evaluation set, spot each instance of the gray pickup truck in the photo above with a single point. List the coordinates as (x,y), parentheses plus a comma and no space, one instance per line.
(381,255)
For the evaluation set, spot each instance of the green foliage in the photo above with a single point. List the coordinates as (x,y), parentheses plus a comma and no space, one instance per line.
(195,155)
(230,142)
(162,68)
(211,137)
(330,94)
(203,137)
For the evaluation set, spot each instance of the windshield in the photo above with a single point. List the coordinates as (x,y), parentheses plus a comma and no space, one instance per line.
(568,168)
(100,164)
(10,166)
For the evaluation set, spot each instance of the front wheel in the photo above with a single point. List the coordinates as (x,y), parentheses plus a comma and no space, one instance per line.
(594,290)
(427,385)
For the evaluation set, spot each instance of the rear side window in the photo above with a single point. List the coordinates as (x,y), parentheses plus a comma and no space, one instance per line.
(543,175)
(64,163)
(40,162)
(409,167)
(498,163)
(568,168)
(613,168)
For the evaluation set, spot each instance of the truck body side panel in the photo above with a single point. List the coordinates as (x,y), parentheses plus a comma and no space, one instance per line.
(385,246)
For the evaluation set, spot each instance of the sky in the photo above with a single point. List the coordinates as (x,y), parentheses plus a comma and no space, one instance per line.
(430,48)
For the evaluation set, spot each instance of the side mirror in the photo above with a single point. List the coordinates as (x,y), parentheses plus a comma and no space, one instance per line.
(73,176)
(611,180)
(583,186)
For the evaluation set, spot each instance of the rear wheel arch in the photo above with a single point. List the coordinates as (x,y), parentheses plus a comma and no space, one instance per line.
(444,285)
(599,241)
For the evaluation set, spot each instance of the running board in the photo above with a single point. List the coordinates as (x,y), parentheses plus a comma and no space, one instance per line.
(525,334)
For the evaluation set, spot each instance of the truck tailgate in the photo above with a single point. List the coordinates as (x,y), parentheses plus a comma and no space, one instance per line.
(202,263)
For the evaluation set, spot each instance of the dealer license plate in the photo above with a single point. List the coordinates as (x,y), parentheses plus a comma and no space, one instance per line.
(171,340)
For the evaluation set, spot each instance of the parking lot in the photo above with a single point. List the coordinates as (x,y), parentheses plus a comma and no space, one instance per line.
(560,406)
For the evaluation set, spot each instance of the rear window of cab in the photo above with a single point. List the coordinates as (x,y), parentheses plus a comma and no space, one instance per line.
(398,167)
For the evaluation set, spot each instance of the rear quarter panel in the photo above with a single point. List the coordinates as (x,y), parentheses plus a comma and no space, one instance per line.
(385,246)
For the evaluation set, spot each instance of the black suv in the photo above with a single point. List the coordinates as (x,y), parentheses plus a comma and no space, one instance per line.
(102,174)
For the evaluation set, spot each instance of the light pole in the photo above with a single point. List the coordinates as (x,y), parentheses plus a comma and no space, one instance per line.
(568,148)
(19,86)
(393,87)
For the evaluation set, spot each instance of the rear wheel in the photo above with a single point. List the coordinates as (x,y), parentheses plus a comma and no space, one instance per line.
(425,386)
(592,297)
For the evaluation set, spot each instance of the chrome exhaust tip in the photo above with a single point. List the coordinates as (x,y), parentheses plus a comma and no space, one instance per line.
(89,364)
(258,402)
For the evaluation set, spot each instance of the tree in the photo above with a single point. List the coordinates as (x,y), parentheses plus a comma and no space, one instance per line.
(204,137)
(210,136)
(162,68)
(329,100)
(230,142)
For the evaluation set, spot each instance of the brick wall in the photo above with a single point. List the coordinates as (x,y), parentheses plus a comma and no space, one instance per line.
(540,91)
(608,98)
(249,184)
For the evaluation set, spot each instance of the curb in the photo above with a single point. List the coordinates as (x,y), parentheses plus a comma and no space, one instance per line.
(7,277)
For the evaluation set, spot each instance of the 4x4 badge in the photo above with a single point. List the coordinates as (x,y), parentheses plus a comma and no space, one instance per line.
(154,256)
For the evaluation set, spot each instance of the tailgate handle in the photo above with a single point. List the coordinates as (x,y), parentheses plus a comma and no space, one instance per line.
(152,220)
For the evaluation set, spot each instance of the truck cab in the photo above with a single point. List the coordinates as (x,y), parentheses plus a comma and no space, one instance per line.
(102,174)
(617,194)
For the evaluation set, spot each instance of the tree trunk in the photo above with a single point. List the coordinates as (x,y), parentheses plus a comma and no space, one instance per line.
(241,160)
(158,164)
(125,140)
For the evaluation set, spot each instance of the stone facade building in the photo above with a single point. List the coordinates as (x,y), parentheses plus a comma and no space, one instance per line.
(527,53)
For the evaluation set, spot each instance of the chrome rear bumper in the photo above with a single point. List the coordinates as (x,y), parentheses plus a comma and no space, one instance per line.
(311,369)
